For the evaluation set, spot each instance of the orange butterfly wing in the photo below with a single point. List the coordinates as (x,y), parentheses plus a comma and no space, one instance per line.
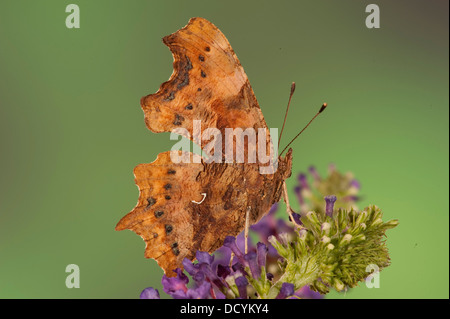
(208,84)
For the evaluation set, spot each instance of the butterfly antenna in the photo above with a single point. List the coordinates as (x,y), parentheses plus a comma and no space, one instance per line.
(287,110)
(322,108)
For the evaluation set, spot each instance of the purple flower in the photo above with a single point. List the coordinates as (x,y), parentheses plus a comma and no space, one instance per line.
(191,268)
(303,185)
(314,173)
(149,293)
(202,291)
(241,283)
(230,242)
(204,257)
(199,277)
(298,192)
(222,257)
(173,285)
(303,181)
(297,219)
(355,183)
(306,293)
(239,268)
(223,271)
(330,200)
(176,286)
(262,253)
(211,276)
(251,259)
(267,225)
(271,226)
(287,290)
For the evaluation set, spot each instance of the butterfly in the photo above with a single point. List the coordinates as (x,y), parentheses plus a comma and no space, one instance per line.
(189,206)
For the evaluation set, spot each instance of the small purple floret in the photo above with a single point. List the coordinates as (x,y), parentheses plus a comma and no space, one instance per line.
(230,242)
(172,285)
(314,173)
(223,271)
(287,290)
(241,283)
(191,268)
(330,200)
(251,259)
(204,257)
(262,254)
(149,293)
(355,183)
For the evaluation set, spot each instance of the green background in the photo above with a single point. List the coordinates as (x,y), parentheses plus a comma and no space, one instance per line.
(72,129)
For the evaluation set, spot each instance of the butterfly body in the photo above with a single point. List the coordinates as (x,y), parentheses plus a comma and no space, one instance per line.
(188,206)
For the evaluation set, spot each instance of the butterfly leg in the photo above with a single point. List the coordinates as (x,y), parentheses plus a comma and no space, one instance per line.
(231,259)
(288,207)
(247,226)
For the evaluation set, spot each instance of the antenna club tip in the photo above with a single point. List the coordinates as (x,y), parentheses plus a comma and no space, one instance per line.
(323,107)
(292,87)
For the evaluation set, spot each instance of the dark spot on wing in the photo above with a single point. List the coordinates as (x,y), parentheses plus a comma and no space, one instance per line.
(169,97)
(183,77)
(184,80)
(159,213)
(227,197)
(151,201)
(168,228)
(178,119)
(188,65)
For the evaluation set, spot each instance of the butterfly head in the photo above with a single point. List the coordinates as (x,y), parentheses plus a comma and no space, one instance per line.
(286,164)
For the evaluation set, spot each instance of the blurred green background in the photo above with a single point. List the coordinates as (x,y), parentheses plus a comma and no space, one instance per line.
(72,129)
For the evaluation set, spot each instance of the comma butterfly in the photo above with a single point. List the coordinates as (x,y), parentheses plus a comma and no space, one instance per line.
(193,205)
